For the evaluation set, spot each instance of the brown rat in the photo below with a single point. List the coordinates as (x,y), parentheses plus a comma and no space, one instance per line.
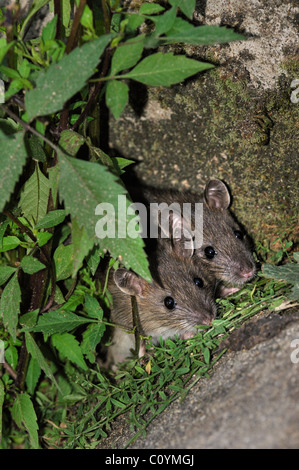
(180,297)
(226,250)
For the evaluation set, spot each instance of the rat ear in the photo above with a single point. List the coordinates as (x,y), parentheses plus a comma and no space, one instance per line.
(181,236)
(129,282)
(216,195)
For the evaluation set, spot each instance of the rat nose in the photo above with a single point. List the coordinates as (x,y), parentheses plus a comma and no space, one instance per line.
(247,274)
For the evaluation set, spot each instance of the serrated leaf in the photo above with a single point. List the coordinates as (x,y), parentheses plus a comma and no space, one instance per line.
(71,141)
(95,184)
(92,307)
(35,148)
(31,265)
(51,219)
(117,96)
(36,353)
(5,273)
(91,338)
(23,413)
(69,348)
(43,238)
(63,259)
(13,157)
(58,321)
(32,376)
(35,195)
(58,83)
(164,22)
(94,258)
(165,69)
(9,243)
(182,31)
(186,6)
(82,244)
(127,54)
(10,305)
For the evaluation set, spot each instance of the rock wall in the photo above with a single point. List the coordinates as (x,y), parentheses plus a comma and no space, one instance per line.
(236,122)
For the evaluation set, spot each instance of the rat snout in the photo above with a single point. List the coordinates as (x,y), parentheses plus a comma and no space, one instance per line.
(247,272)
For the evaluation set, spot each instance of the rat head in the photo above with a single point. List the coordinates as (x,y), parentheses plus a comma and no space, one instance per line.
(226,249)
(180,296)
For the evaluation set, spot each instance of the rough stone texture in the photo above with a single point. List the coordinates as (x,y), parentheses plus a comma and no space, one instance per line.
(251,399)
(235,122)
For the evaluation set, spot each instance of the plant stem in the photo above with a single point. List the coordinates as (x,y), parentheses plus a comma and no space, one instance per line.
(73,37)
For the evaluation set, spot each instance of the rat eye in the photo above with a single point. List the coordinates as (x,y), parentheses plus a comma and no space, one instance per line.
(210,252)
(170,303)
(198,282)
(238,234)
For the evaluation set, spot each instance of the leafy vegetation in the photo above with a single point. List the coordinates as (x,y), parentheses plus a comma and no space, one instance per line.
(54,174)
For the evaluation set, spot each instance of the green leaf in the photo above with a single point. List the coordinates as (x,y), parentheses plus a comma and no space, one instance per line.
(35,195)
(59,321)
(186,6)
(69,348)
(61,80)
(165,69)
(206,355)
(4,47)
(92,307)
(36,353)
(32,376)
(182,31)
(95,184)
(117,96)
(31,265)
(91,338)
(12,159)
(150,8)
(23,413)
(164,22)
(5,273)
(9,243)
(71,141)
(10,305)
(35,148)
(29,319)
(51,219)
(63,259)
(43,238)
(49,31)
(127,54)
(94,258)
(82,244)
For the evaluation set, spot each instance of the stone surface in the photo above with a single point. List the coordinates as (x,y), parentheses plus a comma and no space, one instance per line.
(250,400)
(236,122)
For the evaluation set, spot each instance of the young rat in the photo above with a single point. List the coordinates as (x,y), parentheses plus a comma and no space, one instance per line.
(226,250)
(180,297)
